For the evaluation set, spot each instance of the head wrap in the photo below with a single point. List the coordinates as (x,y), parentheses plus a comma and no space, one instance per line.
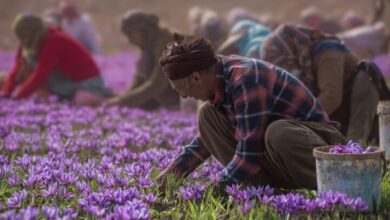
(185,55)
(137,20)
(29,29)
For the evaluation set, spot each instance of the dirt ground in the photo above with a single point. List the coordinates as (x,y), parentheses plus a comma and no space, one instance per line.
(107,13)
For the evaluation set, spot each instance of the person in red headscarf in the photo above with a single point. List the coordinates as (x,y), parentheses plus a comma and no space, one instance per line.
(79,26)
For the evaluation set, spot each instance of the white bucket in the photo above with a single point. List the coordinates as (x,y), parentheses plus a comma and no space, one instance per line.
(384,127)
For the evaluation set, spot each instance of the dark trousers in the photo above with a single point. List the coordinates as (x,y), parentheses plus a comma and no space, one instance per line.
(288,161)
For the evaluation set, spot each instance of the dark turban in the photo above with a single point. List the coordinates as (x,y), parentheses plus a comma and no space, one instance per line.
(185,55)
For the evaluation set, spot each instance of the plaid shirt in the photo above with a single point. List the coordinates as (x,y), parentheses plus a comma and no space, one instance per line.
(251,94)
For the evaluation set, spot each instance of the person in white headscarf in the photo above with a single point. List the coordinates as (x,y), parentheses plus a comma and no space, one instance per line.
(208,24)
(53,17)
(351,20)
(312,17)
(79,26)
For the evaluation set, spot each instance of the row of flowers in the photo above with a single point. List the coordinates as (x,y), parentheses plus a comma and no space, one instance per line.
(60,161)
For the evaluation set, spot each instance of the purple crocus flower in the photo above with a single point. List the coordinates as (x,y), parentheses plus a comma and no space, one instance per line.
(32,180)
(350,148)
(68,178)
(10,214)
(95,210)
(145,183)
(28,213)
(242,196)
(232,190)
(193,192)
(359,205)
(150,198)
(3,159)
(266,199)
(69,213)
(51,191)
(247,206)
(16,200)
(51,213)
(3,132)
(132,210)
(81,185)
(120,196)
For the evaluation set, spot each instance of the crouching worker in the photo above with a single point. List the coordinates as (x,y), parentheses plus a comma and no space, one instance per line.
(348,89)
(150,89)
(259,121)
(51,62)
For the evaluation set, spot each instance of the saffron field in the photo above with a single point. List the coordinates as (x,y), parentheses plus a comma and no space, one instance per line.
(59,161)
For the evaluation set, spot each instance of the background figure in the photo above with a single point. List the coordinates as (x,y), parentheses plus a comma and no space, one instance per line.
(269,21)
(150,89)
(207,23)
(348,89)
(368,40)
(351,20)
(312,17)
(213,28)
(194,17)
(79,26)
(53,17)
(379,7)
(50,61)
(245,39)
(238,14)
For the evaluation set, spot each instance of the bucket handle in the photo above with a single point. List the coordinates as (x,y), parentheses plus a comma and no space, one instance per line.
(384,165)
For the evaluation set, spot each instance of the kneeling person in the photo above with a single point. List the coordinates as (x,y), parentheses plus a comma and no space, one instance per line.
(259,121)
(49,60)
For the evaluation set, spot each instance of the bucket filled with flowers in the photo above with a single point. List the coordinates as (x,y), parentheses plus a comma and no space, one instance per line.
(351,169)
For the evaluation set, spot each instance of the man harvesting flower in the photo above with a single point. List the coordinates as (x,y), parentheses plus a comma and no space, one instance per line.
(258,120)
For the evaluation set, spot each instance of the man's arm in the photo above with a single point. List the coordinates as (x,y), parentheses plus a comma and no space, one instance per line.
(47,61)
(192,156)
(250,106)
(330,74)
(148,90)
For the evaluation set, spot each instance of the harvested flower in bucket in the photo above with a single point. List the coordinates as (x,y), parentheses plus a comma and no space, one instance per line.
(350,148)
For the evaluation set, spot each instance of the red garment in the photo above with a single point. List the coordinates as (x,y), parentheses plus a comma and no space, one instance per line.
(58,52)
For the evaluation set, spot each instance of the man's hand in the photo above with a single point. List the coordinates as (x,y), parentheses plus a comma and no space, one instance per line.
(162,180)
(169,178)
(219,188)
